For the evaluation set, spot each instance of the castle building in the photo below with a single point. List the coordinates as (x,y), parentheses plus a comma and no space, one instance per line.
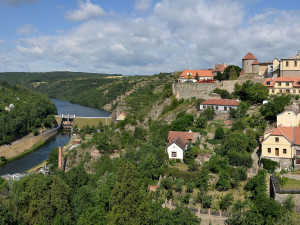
(280,85)
(250,64)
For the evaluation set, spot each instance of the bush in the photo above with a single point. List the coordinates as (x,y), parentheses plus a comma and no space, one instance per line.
(226,202)
(223,183)
(166,183)
(190,187)
(269,165)
(207,201)
(172,162)
(240,159)
(224,93)
(220,133)
(173,172)
(186,198)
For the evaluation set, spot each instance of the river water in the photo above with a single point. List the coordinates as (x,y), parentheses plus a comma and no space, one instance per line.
(36,157)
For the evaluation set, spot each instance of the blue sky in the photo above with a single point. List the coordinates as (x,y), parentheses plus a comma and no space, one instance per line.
(143,36)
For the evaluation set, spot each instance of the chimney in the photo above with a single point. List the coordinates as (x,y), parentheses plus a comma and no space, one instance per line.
(59,158)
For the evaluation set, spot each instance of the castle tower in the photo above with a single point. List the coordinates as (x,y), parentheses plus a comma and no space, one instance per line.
(247,62)
(59,158)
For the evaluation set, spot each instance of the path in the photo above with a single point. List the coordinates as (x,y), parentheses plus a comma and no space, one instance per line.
(292,176)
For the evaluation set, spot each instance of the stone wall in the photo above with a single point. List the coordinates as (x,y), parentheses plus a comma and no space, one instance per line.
(203,90)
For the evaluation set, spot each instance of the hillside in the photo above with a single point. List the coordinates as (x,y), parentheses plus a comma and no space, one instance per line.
(22,111)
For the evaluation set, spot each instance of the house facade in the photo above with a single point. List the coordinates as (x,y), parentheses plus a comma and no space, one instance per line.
(281,144)
(279,85)
(220,105)
(290,117)
(178,142)
(219,68)
(190,75)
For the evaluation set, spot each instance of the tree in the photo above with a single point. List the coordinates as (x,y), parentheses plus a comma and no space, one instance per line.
(232,74)
(220,76)
(223,183)
(224,93)
(169,194)
(189,155)
(207,201)
(219,133)
(129,202)
(226,201)
(227,70)
(209,113)
(197,76)
(201,122)
(182,122)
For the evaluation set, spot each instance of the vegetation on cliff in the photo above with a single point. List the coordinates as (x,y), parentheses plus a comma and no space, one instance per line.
(22,111)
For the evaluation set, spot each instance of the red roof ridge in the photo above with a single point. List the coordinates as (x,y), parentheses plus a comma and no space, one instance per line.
(249,55)
(232,102)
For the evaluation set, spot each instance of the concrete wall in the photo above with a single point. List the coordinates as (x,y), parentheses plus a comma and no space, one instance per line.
(255,68)
(82,121)
(290,73)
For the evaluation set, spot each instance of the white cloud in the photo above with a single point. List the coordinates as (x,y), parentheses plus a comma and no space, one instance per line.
(178,34)
(16,2)
(27,29)
(86,11)
(142,5)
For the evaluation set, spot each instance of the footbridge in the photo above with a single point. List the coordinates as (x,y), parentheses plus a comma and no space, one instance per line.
(68,121)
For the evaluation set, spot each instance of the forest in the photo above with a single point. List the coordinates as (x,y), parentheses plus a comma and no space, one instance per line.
(23,111)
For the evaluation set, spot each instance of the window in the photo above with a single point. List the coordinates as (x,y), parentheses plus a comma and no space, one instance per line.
(225,108)
(217,107)
(287,84)
(279,83)
(273,91)
(294,91)
(284,151)
(174,154)
(295,63)
(280,91)
(277,139)
(269,150)
(268,83)
(287,63)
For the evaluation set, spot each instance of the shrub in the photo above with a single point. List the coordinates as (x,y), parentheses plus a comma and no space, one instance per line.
(223,183)
(190,187)
(166,183)
(207,201)
(269,165)
(220,133)
(186,198)
(226,202)
(173,172)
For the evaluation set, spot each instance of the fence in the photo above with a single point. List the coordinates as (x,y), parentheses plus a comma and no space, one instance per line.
(198,210)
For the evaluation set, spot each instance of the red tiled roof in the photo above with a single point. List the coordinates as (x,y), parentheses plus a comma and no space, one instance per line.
(230,102)
(249,55)
(201,73)
(295,80)
(267,63)
(185,136)
(292,134)
(219,68)
(255,63)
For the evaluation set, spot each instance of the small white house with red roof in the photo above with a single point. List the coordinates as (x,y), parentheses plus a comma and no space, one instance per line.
(219,105)
(178,142)
(190,75)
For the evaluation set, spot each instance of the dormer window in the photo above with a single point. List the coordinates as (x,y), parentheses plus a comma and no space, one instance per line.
(268,82)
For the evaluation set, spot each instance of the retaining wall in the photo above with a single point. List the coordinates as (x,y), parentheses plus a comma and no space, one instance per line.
(20,146)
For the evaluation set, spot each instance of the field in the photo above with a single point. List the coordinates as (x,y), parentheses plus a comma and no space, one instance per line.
(292,184)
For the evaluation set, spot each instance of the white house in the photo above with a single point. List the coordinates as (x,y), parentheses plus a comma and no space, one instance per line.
(121,116)
(220,105)
(178,142)
(176,149)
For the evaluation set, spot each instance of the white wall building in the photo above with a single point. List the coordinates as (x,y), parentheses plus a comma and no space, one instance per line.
(220,105)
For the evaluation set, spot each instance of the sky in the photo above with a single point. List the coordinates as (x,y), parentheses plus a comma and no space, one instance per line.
(143,37)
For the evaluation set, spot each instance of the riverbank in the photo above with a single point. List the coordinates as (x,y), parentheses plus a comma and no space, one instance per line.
(26,145)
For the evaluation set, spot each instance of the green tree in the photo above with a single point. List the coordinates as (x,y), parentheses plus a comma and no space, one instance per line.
(232,74)
(201,122)
(129,202)
(197,76)
(226,201)
(223,183)
(219,133)
(209,113)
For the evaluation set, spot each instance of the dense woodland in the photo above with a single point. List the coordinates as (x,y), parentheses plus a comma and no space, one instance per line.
(114,190)
(28,112)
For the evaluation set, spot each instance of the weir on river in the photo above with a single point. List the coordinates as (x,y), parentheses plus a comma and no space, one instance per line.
(38,156)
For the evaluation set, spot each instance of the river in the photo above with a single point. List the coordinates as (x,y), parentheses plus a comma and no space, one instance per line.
(36,157)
